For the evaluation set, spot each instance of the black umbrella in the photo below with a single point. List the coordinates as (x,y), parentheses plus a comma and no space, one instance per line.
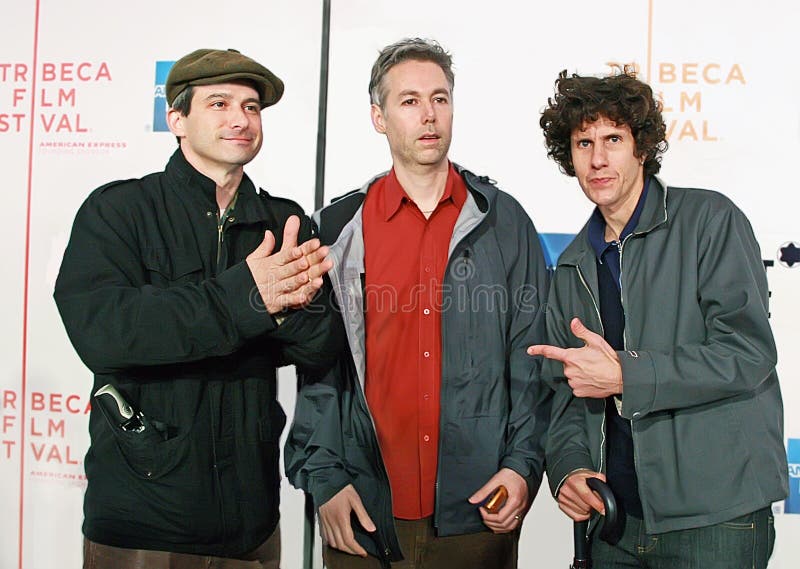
(610,531)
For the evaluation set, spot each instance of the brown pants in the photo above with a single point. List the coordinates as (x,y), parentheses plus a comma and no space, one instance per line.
(97,556)
(423,550)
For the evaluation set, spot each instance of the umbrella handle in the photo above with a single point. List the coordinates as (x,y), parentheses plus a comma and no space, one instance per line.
(612,523)
(610,532)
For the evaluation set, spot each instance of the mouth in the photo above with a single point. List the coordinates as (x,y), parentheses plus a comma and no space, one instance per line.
(601,180)
(429,138)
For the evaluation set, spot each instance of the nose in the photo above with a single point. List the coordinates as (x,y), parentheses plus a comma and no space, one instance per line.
(428,113)
(238,118)
(599,156)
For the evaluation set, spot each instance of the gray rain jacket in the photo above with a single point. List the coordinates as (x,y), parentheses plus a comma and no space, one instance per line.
(494,408)
(700,386)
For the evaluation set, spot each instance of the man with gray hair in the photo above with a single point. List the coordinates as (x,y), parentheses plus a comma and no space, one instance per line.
(440,280)
(179,293)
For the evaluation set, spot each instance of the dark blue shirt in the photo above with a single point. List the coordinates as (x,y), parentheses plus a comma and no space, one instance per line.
(620,469)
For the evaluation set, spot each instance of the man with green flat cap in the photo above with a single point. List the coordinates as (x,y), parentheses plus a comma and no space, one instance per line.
(183,291)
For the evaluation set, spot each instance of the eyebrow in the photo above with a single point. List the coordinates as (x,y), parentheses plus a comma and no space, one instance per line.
(439,91)
(228,97)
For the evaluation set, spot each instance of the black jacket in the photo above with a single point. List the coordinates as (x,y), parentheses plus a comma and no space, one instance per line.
(162,305)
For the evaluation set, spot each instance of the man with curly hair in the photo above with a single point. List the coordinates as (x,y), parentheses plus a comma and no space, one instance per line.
(662,358)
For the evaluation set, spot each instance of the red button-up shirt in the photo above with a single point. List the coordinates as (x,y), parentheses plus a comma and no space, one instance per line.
(405,260)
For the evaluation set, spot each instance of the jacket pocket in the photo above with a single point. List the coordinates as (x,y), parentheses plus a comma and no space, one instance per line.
(169,267)
(149,454)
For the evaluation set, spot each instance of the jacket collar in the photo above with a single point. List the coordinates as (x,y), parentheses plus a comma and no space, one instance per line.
(654,214)
(201,191)
(482,188)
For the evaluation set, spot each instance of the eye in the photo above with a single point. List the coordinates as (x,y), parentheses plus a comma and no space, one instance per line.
(442,100)
(615,138)
(217,104)
(583,143)
(252,108)
(408,102)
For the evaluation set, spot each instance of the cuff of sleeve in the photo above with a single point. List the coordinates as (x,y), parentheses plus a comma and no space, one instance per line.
(564,466)
(639,383)
(244,301)
(325,486)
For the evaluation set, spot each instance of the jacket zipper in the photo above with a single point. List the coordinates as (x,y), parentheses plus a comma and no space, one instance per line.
(603,423)
(220,237)
(383,546)
(436,493)
(620,247)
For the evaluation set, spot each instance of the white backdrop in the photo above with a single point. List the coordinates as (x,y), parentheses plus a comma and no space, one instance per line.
(76,110)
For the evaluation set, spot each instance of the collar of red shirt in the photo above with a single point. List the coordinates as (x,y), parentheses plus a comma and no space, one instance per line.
(394,195)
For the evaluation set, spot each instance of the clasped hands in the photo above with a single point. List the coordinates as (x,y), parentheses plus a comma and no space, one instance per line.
(292,276)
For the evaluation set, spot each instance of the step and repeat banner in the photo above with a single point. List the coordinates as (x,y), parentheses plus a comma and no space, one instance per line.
(82,103)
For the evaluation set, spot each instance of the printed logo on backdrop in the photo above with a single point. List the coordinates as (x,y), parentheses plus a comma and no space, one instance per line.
(54,422)
(160,96)
(792,503)
(685,89)
(789,254)
(62,121)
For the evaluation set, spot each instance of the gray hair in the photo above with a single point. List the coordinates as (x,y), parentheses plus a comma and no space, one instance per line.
(404,50)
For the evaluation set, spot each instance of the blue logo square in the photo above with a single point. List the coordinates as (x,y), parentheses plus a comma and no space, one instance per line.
(792,504)
(160,96)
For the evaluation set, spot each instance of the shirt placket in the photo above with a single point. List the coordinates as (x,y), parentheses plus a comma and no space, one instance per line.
(428,351)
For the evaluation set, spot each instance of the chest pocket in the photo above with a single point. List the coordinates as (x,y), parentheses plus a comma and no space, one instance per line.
(171,267)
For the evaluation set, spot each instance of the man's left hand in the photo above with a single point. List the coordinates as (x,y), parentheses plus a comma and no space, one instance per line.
(509,517)
(591,371)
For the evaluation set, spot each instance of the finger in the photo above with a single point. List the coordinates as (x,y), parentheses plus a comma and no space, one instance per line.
(573,514)
(550,352)
(327,536)
(266,246)
(584,498)
(348,540)
(320,269)
(483,492)
(308,247)
(362,515)
(300,297)
(291,229)
(287,269)
(317,256)
(582,332)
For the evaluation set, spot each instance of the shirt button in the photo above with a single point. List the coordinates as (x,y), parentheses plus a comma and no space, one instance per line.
(426,396)
(426,438)
(426,311)
(426,354)
(209,214)
(427,269)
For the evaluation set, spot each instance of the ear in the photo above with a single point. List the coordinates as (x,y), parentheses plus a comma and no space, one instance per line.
(378,120)
(175,123)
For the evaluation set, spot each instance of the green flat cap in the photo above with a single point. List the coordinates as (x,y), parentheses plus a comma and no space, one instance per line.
(212,66)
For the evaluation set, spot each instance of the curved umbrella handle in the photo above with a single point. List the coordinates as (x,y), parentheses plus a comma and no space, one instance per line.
(610,532)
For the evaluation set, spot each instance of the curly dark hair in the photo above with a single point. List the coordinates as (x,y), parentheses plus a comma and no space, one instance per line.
(620,98)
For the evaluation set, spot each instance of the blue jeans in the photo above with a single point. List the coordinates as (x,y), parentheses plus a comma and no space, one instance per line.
(741,543)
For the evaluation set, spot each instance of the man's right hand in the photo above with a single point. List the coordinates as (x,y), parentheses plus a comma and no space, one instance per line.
(291,277)
(576,499)
(334,516)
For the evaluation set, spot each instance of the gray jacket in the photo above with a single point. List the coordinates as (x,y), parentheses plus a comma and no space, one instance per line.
(494,408)
(700,386)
